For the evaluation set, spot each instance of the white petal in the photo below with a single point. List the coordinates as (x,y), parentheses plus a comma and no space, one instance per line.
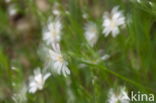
(59,68)
(46,76)
(32,90)
(66,71)
(37,71)
(106,32)
(115,9)
(115,32)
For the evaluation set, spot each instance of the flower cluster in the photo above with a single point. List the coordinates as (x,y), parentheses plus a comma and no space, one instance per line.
(112,24)
(56,63)
(52,36)
(91,33)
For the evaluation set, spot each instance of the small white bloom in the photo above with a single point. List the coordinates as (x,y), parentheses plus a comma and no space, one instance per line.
(85,15)
(20,96)
(119,96)
(67,12)
(13,84)
(59,65)
(12,10)
(52,33)
(56,10)
(37,81)
(13,68)
(139,1)
(105,57)
(150,3)
(7,1)
(123,95)
(91,33)
(113,21)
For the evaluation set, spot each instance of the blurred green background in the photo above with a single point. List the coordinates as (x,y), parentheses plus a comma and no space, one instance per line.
(132,61)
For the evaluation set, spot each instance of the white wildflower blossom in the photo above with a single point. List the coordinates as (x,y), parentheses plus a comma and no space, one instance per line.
(85,15)
(91,33)
(105,57)
(12,10)
(113,21)
(37,81)
(13,84)
(56,10)
(52,33)
(7,1)
(139,1)
(59,65)
(13,68)
(20,96)
(67,12)
(150,3)
(120,96)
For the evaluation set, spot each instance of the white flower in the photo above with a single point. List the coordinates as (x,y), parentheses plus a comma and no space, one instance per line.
(123,95)
(139,1)
(85,15)
(105,57)
(91,33)
(13,68)
(56,10)
(120,96)
(52,33)
(67,12)
(59,65)
(12,10)
(37,81)
(150,3)
(7,1)
(113,21)
(20,96)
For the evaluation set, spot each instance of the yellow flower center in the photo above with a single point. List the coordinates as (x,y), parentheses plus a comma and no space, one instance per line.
(93,30)
(60,58)
(53,33)
(112,24)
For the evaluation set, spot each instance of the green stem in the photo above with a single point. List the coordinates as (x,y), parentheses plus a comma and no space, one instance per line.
(140,86)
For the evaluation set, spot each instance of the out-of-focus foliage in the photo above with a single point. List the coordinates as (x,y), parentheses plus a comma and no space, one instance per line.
(132,53)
